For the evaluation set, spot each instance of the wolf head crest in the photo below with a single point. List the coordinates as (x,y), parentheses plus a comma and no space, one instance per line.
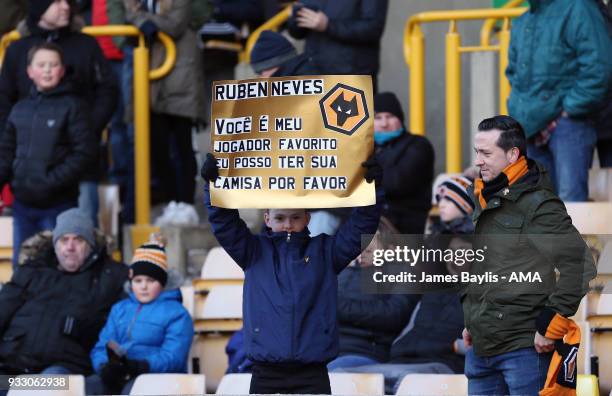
(345,109)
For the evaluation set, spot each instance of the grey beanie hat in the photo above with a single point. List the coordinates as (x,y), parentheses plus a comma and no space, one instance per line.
(74,221)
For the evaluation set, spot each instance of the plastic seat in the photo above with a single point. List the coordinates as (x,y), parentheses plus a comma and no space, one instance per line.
(433,385)
(587,385)
(219,265)
(357,384)
(234,384)
(169,384)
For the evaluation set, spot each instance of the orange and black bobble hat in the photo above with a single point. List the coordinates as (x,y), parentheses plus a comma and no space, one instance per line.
(150,260)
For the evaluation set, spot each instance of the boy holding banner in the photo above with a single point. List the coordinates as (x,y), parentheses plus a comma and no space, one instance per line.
(290,288)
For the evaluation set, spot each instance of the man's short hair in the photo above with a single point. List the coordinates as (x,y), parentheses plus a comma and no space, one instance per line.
(45,45)
(512,133)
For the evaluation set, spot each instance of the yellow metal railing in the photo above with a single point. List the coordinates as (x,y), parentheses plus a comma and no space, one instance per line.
(271,24)
(414,54)
(142,77)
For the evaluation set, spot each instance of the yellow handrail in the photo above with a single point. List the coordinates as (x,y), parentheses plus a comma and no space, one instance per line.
(487,27)
(271,24)
(414,54)
(142,79)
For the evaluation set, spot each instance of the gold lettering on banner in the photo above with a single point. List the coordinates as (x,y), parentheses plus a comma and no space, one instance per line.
(292,142)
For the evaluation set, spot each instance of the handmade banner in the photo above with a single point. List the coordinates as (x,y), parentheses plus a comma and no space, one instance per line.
(292,142)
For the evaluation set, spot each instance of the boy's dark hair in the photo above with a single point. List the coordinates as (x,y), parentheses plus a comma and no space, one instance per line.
(512,133)
(45,45)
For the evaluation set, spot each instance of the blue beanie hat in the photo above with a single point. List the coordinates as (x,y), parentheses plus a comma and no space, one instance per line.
(270,50)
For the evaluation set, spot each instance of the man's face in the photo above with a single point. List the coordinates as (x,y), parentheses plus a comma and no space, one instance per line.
(490,158)
(386,122)
(46,69)
(145,288)
(57,15)
(71,251)
(287,220)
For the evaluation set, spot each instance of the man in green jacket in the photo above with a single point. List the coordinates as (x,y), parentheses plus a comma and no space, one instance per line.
(526,233)
(560,70)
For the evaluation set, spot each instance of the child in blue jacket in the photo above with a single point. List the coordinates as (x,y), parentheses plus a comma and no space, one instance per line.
(290,289)
(149,332)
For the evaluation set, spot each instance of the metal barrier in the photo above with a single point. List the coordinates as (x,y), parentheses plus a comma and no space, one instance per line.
(271,24)
(142,77)
(414,54)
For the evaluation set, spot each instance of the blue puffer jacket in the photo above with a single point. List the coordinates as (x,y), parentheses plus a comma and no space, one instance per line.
(291,283)
(159,332)
(560,59)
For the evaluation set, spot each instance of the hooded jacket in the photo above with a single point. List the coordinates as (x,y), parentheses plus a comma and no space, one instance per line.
(291,285)
(37,302)
(526,230)
(46,147)
(159,332)
(560,58)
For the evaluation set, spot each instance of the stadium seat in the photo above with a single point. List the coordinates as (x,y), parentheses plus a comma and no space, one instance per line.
(6,248)
(357,384)
(76,387)
(587,385)
(352,384)
(604,305)
(234,384)
(219,265)
(223,302)
(220,317)
(591,218)
(169,384)
(187,294)
(433,385)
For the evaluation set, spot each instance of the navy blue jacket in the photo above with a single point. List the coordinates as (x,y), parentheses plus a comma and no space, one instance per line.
(291,283)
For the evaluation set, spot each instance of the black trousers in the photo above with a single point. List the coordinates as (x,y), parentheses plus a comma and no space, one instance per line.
(310,379)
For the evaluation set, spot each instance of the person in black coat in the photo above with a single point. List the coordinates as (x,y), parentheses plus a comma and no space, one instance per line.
(45,147)
(94,81)
(408,164)
(342,36)
(57,302)
(368,323)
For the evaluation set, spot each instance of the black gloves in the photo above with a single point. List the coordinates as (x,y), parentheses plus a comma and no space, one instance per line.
(210,170)
(149,29)
(114,376)
(119,369)
(374,171)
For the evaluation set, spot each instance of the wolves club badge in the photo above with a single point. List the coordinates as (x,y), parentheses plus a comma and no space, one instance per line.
(344,109)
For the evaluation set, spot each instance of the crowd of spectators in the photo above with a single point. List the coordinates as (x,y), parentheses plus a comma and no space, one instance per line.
(67,308)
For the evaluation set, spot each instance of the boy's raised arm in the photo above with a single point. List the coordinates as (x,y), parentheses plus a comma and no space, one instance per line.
(362,221)
(229,229)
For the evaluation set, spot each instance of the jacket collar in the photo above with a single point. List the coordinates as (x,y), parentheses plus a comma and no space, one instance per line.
(286,236)
(536,178)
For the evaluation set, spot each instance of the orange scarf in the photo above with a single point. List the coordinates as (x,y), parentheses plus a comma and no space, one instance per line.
(563,370)
(508,177)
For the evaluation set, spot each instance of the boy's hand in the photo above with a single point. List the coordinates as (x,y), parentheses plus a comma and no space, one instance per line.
(374,171)
(210,170)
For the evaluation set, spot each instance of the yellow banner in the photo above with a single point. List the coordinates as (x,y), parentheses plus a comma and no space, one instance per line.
(292,142)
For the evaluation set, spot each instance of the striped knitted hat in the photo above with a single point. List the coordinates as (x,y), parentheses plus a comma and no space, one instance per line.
(150,259)
(455,190)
